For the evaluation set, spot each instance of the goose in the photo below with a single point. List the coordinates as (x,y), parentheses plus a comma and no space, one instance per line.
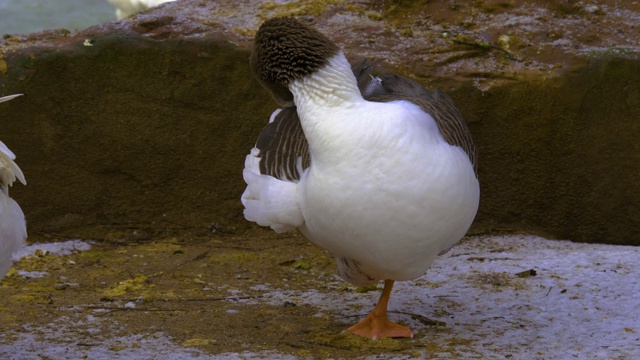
(126,8)
(13,228)
(377,170)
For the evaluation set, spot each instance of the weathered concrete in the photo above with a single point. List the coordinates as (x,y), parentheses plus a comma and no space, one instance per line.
(145,122)
(561,156)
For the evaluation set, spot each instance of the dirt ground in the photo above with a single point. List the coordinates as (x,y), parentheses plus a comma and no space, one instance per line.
(262,296)
(184,287)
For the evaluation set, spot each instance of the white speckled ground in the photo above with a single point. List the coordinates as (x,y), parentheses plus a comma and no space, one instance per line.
(582,303)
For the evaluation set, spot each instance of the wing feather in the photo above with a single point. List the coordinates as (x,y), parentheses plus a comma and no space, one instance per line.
(436,103)
(284,151)
(282,145)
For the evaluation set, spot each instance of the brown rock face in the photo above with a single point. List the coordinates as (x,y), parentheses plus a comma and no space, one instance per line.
(145,123)
(132,130)
(560,157)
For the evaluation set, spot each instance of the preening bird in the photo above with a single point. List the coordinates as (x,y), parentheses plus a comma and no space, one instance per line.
(13,228)
(125,8)
(377,170)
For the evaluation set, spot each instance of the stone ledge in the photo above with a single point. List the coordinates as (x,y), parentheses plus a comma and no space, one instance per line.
(147,120)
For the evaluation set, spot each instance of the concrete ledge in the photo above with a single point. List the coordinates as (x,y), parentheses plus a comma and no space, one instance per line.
(146,121)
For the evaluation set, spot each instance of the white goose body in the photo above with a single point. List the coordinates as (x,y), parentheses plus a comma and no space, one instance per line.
(13,229)
(384,188)
(126,8)
(379,171)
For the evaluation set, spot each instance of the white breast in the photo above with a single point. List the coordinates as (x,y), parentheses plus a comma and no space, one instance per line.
(386,189)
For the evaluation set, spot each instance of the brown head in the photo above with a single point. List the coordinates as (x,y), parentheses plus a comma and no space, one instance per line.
(285,50)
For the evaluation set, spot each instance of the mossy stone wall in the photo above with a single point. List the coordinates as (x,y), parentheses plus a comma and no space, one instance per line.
(145,132)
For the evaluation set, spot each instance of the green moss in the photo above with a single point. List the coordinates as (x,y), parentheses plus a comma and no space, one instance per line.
(196,342)
(374,15)
(612,51)
(366,289)
(233,258)
(245,32)
(90,256)
(3,65)
(33,298)
(43,261)
(153,293)
(126,286)
(169,246)
(301,264)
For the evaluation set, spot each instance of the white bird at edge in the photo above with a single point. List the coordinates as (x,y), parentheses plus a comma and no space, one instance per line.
(378,171)
(13,228)
(126,8)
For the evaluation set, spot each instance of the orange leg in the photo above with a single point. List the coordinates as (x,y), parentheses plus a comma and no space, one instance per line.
(376,325)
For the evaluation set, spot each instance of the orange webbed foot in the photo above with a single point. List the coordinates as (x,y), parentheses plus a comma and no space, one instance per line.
(376,325)
(379,327)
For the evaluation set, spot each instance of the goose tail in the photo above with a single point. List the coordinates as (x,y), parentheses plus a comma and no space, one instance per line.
(269,201)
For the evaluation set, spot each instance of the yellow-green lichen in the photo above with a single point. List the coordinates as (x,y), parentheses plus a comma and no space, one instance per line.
(126,286)
(233,258)
(196,342)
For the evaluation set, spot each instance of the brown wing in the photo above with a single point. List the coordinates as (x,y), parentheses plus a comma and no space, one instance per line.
(438,104)
(284,150)
(282,145)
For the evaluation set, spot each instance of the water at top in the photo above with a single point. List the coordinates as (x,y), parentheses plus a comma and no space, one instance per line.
(27,16)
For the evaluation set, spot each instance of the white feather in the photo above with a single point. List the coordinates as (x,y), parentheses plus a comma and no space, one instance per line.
(125,8)
(13,229)
(269,201)
(9,97)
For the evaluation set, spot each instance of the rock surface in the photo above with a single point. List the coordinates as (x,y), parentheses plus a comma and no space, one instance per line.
(144,123)
(230,298)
